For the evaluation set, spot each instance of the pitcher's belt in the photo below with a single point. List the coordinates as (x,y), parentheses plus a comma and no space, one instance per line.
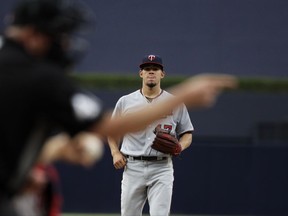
(147,158)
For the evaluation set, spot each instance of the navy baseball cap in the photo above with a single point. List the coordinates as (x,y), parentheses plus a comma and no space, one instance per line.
(151,59)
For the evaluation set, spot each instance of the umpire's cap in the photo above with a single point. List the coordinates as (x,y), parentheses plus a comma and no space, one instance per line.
(151,59)
(52,17)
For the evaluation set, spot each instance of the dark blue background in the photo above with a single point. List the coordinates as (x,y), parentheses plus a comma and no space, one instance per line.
(228,169)
(242,37)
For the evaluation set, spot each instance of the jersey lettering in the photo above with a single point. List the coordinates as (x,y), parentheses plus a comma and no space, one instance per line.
(166,127)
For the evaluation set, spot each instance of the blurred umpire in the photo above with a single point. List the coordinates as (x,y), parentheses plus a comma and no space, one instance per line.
(36,96)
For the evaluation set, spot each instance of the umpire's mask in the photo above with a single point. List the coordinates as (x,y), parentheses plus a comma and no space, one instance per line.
(67,22)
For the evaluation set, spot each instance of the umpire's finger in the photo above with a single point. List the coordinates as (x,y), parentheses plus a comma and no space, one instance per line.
(220,80)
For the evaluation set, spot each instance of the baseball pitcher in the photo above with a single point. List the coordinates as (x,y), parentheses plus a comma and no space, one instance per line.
(147,155)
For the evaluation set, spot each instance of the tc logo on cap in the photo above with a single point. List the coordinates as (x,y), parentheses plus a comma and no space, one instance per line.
(151,57)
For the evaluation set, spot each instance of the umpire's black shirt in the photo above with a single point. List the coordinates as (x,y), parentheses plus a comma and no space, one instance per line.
(36,98)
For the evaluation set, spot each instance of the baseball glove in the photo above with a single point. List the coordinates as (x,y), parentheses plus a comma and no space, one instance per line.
(165,142)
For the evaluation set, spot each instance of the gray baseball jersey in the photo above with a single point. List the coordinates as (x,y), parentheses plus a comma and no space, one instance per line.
(139,143)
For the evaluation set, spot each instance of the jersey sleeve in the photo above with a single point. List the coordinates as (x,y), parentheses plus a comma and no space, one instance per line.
(118,107)
(184,123)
